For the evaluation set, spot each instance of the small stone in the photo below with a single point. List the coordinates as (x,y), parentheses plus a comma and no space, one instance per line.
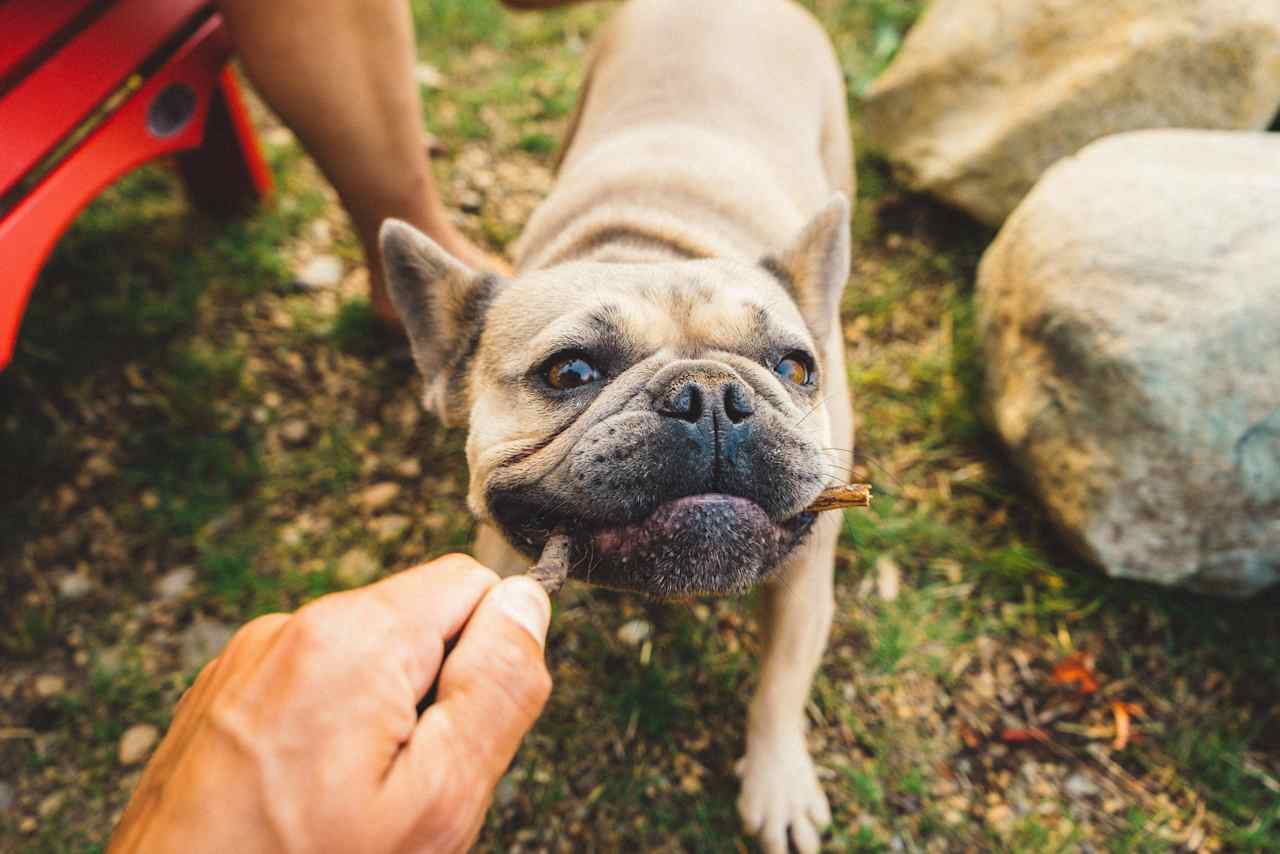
(27,825)
(51,804)
(322,271)
(356,568)
(379,496)
(428,76)
(6,796)
(409,469)
(136,743)
(435,522)
(66,497)
(634,633)
(49,685)
(74,585)
(888,578)
(202,641)
(1079,785)
(505,793)
(294,431)
(176,583)
(389,528)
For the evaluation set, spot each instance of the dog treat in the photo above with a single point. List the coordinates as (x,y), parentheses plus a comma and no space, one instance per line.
(552,567)
(839,497)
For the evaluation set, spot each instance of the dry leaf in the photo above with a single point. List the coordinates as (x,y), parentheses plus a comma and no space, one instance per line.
(1076,670)
(1123,712)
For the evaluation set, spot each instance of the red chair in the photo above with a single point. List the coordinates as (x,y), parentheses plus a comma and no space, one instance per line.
(91,89)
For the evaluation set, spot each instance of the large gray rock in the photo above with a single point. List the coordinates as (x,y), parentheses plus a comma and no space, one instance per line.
(987,94)
(1129,314)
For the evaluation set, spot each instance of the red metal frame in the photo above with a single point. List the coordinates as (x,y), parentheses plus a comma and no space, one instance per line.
(222,164)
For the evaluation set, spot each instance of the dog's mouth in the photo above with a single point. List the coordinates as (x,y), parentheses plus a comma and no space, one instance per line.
(705,544)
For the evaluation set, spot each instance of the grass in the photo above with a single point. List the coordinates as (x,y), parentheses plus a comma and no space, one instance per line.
(143,430)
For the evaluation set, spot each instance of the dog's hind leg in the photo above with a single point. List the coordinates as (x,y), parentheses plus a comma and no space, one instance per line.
(781,796)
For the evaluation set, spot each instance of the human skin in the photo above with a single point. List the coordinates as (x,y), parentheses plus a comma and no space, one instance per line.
(340,73)
(303,734)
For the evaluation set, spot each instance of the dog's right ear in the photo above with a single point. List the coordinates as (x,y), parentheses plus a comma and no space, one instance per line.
(442,303)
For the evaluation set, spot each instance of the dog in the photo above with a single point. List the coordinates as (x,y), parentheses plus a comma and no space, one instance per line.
(663,378)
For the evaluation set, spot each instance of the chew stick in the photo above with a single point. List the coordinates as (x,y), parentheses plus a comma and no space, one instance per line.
(552,567)
(840,496)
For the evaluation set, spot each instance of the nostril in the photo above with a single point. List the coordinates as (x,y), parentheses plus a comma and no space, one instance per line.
(685,403)
(737,404)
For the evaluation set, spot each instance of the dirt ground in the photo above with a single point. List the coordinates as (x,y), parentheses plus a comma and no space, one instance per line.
(203,423)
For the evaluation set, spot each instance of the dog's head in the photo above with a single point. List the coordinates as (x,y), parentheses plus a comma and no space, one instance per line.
(669,416)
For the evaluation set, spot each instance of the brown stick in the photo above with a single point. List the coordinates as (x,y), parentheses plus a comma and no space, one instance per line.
(552,567)
(841,496)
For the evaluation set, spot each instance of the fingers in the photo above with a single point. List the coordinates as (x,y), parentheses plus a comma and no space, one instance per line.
(407,617)
(493,687)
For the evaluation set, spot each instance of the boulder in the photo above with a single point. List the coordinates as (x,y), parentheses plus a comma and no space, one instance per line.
(1129,316)
(985,95)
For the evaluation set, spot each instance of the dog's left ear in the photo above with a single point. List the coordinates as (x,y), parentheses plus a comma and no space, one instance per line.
(815,266)
(442,303)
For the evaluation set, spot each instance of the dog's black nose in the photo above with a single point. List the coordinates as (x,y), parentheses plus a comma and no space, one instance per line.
(683,401)
(690,399)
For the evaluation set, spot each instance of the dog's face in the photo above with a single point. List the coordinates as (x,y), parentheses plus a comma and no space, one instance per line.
(670,417)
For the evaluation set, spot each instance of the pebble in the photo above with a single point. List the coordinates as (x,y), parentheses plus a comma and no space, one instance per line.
(1078,785)
(356,568)
(379,496)
(428,76)
(409,469)
(888,578)
(136,743)
(27,825)
(390,528)
(294,431)
(203,640)
(322,271)
(50,685)
(176,583)
(74,585)
(634,632)
(51,804)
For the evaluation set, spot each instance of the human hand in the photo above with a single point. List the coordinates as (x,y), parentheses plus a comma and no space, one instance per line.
(303,734)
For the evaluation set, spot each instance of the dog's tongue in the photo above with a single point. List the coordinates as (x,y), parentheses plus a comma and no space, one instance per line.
(697,520)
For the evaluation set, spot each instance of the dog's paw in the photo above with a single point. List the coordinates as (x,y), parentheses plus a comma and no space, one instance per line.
(781,797)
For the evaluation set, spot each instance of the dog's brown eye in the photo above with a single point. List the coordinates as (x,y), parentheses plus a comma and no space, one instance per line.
(571,372)
(795,367)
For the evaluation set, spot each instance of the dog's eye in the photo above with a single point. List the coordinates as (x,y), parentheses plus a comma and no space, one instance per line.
(795,367)
(571,372)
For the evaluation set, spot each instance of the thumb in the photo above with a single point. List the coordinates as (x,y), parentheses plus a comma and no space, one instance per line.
(492,688)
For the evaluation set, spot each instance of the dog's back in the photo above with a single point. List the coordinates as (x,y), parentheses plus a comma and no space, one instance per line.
(705,129)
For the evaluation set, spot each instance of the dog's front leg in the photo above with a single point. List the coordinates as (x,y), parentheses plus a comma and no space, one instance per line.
(781,796)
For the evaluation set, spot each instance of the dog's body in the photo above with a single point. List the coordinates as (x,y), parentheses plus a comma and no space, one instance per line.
(664,378)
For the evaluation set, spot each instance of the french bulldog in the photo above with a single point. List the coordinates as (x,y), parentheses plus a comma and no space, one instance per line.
(663,378)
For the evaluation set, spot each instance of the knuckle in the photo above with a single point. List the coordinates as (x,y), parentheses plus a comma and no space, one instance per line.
(467,565)
(319,626)
(260,629)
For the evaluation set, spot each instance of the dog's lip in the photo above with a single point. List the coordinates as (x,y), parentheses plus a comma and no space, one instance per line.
(669,516)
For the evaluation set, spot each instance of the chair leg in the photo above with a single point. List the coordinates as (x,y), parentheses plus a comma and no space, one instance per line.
(226,174)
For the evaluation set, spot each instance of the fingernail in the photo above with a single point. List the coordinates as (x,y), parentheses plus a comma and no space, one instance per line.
(525,602)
